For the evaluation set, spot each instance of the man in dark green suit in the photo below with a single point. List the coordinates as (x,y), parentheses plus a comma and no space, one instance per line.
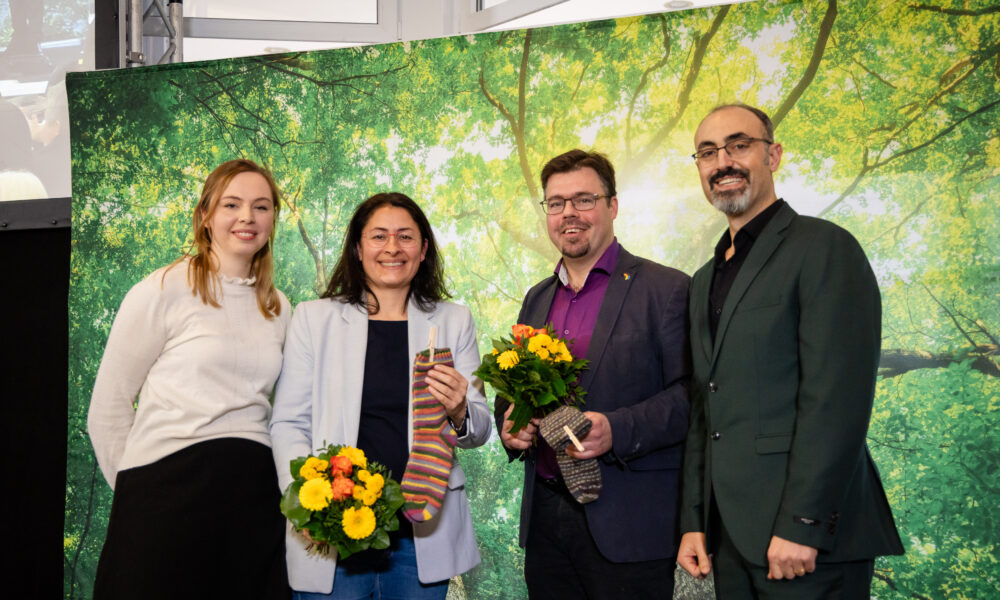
(780,496)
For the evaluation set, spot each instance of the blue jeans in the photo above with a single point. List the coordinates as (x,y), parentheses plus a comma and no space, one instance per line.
(393,578)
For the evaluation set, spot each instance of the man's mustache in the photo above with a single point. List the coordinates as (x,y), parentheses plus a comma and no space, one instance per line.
(727,172)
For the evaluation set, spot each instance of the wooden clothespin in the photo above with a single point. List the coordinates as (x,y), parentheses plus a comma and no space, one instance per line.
(572,438)
(430,342)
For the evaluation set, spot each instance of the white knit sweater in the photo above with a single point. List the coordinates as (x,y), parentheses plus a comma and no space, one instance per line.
(198,372)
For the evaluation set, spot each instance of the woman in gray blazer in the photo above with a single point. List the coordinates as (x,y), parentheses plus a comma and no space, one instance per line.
(346,379)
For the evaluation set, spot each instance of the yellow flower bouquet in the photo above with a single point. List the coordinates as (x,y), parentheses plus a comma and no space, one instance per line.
(534,370)
(342,500)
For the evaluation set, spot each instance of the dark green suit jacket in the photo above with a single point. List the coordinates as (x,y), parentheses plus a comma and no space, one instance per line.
(781,399)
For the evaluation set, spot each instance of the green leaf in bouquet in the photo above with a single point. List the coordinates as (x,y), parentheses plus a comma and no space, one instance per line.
(381,540)
(392,524)
(350,547)
(292,508)
(545,398)
(558,386)
(392,493)
(295,465)
(519,417)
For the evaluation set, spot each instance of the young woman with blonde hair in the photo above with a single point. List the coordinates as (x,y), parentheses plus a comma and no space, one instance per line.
(179,412)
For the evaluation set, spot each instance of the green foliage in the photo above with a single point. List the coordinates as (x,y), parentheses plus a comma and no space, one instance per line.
(887,113)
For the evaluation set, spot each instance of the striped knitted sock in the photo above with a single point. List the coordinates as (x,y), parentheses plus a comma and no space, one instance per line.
(426,477)
(582,477)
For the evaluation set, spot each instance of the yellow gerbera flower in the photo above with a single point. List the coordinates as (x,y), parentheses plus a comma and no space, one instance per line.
(315,494)
(507,360)
(358,523)
(356,455)
(313,468)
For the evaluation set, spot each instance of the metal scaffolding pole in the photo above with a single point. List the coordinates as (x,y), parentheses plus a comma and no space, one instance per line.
(172,19)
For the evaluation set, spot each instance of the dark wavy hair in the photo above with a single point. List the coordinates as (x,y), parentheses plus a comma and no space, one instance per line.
(348,282)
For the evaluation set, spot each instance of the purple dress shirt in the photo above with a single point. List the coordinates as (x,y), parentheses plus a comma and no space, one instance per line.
(573,316)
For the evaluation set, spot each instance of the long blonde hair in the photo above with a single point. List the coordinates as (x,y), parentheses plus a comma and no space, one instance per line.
(201,273)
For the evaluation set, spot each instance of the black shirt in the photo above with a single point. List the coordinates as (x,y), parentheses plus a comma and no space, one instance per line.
(727,270)
(383,431)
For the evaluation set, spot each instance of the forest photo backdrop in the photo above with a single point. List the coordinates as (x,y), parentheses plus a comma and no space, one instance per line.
(888,112)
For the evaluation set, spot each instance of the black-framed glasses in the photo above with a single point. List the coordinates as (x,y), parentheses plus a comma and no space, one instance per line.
(379,238)
(582,202)
(737,148)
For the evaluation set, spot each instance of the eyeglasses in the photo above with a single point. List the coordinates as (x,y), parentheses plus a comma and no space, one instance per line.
(556,204)
(737,148)
(378,239)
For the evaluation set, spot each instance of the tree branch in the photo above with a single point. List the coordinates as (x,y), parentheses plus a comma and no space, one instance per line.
(572,99)
(643,81)
(950,314)
(896,362)
(522,148)
(810,73)
(700,47)
(895,229)
(872,73)
(959,12)
(866,168)
(503,259)
(291,201)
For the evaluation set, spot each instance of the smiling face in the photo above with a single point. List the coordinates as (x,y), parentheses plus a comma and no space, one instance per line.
(581,235)
(742,187)
(393,266)
(241,223)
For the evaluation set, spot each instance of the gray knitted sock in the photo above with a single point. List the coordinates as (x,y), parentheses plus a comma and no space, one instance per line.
(582,477)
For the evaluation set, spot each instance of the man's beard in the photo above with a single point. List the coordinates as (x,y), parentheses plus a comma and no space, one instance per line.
(731,203)
(575,252)
(582,246)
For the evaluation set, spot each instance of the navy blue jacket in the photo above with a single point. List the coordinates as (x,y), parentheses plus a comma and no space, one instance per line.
(638,377)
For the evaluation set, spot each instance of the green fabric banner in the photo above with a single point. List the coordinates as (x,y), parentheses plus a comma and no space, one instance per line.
(888,113)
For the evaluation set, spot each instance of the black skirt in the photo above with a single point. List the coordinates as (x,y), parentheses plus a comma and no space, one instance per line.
(202,522)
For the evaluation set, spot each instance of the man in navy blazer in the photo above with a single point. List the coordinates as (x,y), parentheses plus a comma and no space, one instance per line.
(627,316)
(781,499)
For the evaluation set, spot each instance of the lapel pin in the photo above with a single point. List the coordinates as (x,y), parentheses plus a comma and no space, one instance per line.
(626,276)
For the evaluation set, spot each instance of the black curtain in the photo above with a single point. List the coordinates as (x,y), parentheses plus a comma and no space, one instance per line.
(34,279)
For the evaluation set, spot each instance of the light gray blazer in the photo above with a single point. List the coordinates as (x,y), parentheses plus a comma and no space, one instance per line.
(318,401)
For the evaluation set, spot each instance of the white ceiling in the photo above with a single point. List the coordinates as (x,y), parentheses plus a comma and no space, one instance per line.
(363,11)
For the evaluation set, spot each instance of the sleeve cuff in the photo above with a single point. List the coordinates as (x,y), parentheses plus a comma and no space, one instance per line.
(464,429)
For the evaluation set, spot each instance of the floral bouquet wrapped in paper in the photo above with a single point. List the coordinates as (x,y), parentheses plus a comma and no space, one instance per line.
(342,500)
